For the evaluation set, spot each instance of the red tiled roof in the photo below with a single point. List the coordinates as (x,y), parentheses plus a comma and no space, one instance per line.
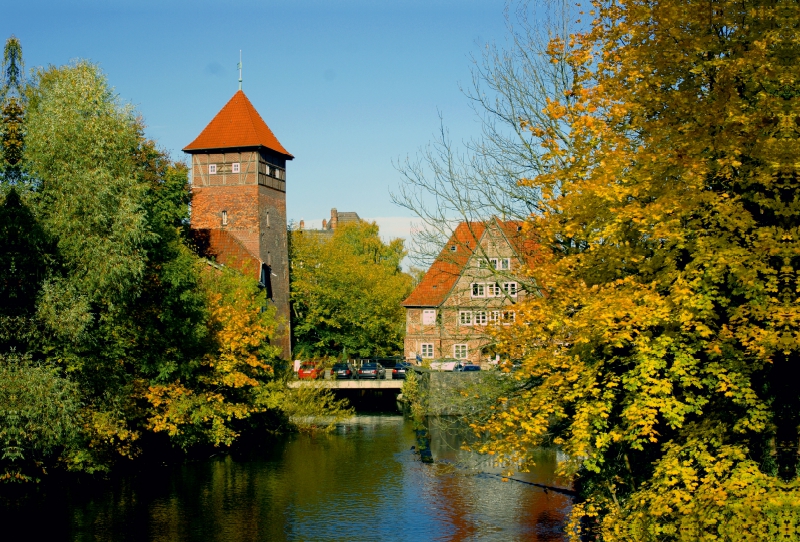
(222,246)
(238,124)
(437,283)
(443,274)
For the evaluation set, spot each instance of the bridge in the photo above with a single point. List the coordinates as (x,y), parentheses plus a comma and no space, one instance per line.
(350,384)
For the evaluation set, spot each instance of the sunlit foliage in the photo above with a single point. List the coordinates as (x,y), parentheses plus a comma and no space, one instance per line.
(114,334)
(664,356)
(346,293)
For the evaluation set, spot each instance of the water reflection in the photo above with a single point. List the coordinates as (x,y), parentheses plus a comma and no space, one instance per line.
(360,483)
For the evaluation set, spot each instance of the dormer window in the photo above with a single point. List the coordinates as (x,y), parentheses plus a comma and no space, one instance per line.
(224,218)
(235,167)
(212,169)
(453,248)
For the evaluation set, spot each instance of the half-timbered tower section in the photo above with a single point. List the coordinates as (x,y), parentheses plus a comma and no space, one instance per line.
(239,200)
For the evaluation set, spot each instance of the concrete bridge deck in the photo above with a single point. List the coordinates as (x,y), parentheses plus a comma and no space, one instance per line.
(350,384)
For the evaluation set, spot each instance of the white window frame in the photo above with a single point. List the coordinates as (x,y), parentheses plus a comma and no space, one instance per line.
(460,351)
(509,317)
(480,287)
(479,318)
(494,317)
(224,218)
(465,318)
(212,169)
(510,289)
(235,167)
(426,350)
(493,290)
(428,317)
(505,264)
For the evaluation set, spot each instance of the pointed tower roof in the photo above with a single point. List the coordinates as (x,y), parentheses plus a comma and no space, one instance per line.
(238,124)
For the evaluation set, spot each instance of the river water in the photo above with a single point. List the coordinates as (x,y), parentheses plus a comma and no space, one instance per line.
(362,482)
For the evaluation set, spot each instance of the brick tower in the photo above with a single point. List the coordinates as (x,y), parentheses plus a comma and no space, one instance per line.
(239,200)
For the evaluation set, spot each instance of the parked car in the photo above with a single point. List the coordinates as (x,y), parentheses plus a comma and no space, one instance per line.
(343,371)
(310,370)
(372,370)
(446,365)
(399,371)
(469,367)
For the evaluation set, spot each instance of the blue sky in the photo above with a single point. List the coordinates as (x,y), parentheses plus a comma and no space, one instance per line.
(347,86)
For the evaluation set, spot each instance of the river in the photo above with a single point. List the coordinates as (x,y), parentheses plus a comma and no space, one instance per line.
(361,482)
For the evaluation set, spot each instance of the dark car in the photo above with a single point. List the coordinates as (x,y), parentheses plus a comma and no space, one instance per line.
(469,367)
(343,371)
(399,371)
(372,370)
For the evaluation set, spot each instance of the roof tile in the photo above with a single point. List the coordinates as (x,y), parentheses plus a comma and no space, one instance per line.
(445,270)
(238,124)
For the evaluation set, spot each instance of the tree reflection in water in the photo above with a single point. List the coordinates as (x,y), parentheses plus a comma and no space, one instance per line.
(362,482)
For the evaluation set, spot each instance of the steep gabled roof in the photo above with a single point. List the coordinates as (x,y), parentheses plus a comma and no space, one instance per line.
(442,276)
(238,124)
(520,239)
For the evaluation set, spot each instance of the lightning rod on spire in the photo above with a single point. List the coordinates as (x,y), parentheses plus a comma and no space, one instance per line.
(240,69)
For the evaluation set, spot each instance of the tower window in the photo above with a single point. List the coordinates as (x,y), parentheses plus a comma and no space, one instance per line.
(224,218)
(235,167)
(212,169)
(267,221)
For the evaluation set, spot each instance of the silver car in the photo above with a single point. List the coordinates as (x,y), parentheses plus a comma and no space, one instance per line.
(372,370)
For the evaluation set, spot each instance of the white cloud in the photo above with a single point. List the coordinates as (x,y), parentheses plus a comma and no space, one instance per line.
(395,226)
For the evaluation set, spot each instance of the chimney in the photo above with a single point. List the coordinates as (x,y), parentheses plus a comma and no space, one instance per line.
(324,224)
(334,218)
(302,224)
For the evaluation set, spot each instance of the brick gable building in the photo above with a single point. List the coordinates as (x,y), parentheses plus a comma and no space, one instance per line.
(239,200)
(470,286)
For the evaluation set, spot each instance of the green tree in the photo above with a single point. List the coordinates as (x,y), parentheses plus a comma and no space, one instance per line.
(124,331)
(346,293)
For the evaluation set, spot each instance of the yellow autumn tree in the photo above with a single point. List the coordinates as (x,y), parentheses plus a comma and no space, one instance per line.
(664,356)
(231,383)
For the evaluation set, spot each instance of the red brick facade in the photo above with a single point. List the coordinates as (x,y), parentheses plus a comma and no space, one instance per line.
(472,285)
(239,201)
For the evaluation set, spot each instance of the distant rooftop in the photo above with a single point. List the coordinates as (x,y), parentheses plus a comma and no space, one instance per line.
(328,226)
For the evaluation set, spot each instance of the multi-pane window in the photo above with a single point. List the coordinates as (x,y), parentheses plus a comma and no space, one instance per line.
(501,264)
(493,289)
(428,317)
(460,351)
(212,169)
(235,167)
(224,218)
(427,350)
(480,318)
(494,317)
(509,317)
(465,318)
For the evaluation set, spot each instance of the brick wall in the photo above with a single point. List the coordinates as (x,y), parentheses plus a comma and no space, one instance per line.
(448,329)
(249,206)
